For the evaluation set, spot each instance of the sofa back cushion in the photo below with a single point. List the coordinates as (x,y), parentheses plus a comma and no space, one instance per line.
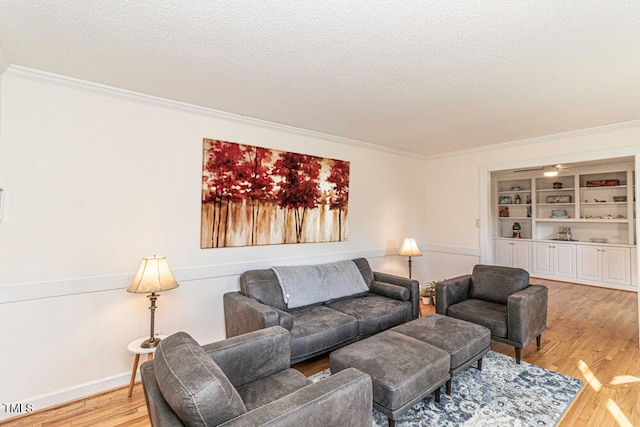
(495,283)
(365,270)
(263,286)
(192,383)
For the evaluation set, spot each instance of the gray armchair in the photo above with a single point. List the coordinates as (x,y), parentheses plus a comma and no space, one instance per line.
(247,381)
(499,298)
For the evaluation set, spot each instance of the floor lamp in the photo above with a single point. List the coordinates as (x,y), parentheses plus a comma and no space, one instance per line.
(409,248)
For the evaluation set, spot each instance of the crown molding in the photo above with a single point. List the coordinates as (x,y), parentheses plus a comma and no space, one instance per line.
(534,140)
(111,91)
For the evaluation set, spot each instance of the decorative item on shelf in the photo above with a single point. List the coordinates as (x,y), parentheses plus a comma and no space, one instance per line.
(599,201)
(409,248)
(557,185)
(559,199)
(598,240)
(619,199)
(504,212)
(517,200)
(528,211)
(516,230)
(564,234)
(505,200)
(515,188)
(153,276)
(528,199)
(603,183)
(559,213)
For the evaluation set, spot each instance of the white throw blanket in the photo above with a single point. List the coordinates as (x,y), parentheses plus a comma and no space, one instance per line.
(309,284)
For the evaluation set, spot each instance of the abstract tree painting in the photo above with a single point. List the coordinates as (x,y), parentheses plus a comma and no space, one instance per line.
(259,196)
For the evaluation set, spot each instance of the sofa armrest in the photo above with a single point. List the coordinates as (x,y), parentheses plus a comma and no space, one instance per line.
(451,291)
(527,314)
(345,398)
(411,284)
(252,356)
(243,314)
(390,291)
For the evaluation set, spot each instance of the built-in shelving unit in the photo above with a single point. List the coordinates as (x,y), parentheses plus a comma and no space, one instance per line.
(579,225)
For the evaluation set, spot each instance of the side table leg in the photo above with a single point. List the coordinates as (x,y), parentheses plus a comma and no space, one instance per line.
(133,373)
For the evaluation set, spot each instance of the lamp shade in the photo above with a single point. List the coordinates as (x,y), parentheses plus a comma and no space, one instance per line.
(153,276)
(409,247)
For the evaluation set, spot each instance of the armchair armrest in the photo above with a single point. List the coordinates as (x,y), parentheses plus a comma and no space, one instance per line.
(252,356)
(451,291)
(345,398)
(391,291)
(411,284)
(243,314)
(527,314)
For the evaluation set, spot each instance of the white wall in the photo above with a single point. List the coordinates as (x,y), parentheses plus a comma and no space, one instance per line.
(95,179)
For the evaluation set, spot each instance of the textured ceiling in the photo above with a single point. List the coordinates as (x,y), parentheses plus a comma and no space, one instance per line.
(426,77)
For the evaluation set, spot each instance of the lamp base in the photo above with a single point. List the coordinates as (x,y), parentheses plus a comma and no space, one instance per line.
(150,342)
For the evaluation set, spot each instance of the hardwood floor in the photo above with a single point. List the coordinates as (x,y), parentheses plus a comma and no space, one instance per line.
(592,335)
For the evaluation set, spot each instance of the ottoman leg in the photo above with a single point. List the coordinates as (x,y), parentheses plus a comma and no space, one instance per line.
(448,389)
(438,394)
(480,364)
(392,423)
(538,340)
(518,351)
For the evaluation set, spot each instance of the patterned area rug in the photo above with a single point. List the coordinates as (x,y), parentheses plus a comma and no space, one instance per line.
(502,394)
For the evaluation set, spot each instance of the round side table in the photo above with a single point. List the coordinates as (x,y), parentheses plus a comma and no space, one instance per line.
(134,347)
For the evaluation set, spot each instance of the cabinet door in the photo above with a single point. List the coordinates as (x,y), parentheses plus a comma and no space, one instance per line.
(615,265)
(520,255)
(564,257)
(503,253)
(541,258)
(589,265)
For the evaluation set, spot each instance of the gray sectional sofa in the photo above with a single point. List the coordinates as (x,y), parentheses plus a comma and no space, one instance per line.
(323,322)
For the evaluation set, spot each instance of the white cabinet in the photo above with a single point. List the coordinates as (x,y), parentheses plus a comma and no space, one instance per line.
(609,264)
(554,259)
(513,253)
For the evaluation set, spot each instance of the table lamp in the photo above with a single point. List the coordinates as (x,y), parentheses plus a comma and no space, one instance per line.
(409,248)
(153,276)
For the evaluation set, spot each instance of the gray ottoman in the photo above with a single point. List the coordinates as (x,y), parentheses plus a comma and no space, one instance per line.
(404,370)
(465,342)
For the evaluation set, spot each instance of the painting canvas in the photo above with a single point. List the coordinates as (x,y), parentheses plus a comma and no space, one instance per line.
(260,196)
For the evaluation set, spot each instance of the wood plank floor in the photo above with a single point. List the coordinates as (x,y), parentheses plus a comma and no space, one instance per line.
(592,335)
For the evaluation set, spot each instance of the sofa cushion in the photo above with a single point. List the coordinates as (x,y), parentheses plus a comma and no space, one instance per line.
(375,313)
(319,328)
(271,388)
(484,313)
(495,283)
(365,270)
(193,384)
(304,285)
(263,286)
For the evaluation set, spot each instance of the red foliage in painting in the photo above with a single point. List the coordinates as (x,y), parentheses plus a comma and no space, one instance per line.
(221,177)
(299,187)
(257,182)
(339,177)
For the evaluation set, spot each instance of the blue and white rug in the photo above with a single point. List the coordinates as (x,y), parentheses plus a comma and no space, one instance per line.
(502,394)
